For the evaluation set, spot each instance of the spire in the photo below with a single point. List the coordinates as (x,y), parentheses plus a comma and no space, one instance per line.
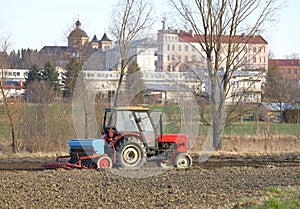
(95,39)
(78,24)
(105,38)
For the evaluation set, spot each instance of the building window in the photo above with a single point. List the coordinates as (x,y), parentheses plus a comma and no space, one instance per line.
(251,96)
(168,58)
(186,58)
(169,68)
(179,58)
(173,47)
(186,48)
(193,58)
(254,48)
(173,57)
(289,70)
(179,48)
(254,59)
(168,47)
(295,71)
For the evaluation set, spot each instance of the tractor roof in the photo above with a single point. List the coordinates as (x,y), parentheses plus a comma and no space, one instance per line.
(128,108)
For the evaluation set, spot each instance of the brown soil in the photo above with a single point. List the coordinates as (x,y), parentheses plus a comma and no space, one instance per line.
(222,182)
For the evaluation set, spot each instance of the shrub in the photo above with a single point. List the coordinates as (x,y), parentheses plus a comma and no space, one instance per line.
(291,115)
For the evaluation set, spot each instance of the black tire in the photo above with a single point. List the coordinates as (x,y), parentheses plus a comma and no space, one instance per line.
(183,161)
(104,162)
(131,153)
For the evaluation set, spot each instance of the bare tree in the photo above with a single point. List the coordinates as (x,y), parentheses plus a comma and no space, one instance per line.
(214,19)
(10,109)
(292,56)
(131,20)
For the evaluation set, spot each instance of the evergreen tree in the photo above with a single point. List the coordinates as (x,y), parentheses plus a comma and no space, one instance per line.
(50,76)
(34,74)
(69,77)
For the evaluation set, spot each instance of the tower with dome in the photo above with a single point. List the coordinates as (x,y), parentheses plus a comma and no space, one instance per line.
(78,37)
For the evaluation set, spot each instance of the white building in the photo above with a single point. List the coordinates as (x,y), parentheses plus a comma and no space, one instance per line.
(13,74)
(13,82)
(180,50)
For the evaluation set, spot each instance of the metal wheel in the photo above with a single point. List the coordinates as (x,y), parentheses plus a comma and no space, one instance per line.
(131,153)
(183,161)
(104,162)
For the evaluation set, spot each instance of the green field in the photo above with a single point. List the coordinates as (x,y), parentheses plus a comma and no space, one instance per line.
(48,127)
(262,129)
(277,198)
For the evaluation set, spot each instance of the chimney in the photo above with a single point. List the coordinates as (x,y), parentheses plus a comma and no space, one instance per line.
(191,32)
(244,35)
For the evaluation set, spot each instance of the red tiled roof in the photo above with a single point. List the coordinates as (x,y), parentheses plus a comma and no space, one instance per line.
(285,62)
(13,87)
(189,37)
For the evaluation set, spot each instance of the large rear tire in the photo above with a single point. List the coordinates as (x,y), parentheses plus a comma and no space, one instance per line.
(131,153)
(183,161)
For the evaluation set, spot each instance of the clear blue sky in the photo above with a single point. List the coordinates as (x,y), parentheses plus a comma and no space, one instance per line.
(36,23)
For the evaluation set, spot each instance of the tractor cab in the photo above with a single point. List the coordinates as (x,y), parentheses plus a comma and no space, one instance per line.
(133,120)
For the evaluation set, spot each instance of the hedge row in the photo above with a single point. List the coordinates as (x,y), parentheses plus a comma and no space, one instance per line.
(291,115)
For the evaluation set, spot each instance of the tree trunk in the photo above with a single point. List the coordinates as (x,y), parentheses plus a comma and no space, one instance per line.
(217,106)
(14,140)
(116,97)
(11,122)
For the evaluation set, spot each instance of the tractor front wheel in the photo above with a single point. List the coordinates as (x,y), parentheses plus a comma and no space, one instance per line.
(131,153)
(183,161)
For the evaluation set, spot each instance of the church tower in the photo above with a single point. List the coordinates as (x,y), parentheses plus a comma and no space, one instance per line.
(105,43)
(78,37)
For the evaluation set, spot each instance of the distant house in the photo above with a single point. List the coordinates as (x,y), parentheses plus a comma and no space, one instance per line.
(289,69)
(179,49)
(13,89)
(272,111)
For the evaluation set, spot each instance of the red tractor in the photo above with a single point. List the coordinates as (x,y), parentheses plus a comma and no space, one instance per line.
(132,135)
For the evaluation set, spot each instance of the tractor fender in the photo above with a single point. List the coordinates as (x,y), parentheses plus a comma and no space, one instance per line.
(117,138)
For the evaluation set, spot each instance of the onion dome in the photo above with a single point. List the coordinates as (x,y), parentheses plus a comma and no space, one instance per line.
(77,32)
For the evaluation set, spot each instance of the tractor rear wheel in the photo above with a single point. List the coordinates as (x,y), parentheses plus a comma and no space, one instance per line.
(183,161)
(104,162)
(131,153)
